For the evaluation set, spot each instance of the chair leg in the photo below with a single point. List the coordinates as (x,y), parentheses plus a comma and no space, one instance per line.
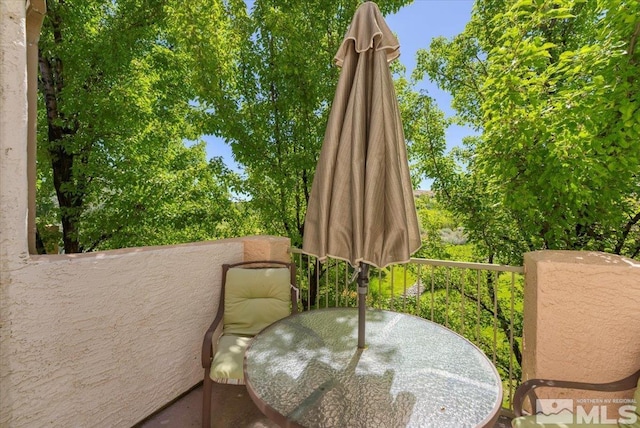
(206,400)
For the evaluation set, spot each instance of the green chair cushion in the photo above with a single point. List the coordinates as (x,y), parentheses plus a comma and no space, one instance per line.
(530,422)
(228,359)
(255,298)
(636,397)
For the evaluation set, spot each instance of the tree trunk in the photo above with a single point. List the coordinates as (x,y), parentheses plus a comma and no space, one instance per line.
(69,189)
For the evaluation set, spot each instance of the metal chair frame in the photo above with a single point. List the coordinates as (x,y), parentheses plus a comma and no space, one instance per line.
(527,389)
(215,330)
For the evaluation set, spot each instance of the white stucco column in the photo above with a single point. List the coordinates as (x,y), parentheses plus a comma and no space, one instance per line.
(13,133)
(13,176)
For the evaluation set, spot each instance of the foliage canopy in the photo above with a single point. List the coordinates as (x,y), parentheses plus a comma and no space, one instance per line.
(116,90)
(551,86)
(554,88)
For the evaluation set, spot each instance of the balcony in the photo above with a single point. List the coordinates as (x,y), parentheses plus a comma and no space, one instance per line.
(480,301)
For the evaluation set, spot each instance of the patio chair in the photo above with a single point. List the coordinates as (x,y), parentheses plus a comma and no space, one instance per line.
(254,295)
(527,390)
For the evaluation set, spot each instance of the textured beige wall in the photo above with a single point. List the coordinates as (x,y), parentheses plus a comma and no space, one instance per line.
(107,338)
(101,339)
(581,317)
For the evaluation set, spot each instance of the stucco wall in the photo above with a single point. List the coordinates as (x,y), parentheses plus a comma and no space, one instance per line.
(581,317)
(105,339)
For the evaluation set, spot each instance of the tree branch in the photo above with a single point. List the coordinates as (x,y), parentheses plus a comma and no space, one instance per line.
(103,238)
(633,42)
(625,233)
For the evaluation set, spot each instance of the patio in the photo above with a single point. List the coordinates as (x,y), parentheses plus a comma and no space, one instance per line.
(232,406)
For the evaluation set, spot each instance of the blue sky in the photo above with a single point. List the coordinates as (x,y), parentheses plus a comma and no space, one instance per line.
(415,26)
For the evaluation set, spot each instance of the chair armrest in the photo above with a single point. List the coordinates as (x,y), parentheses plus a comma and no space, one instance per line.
(527,389)
(212,334)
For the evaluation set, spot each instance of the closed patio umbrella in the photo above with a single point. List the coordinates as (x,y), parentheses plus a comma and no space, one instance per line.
(361,205)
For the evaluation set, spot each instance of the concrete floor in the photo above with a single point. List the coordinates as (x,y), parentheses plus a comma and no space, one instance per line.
(232,408)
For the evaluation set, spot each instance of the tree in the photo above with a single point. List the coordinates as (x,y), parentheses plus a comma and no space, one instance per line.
(116,90)
(553,86)
(275,107)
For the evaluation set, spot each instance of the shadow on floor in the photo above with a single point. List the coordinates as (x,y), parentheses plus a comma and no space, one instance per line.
(232,408)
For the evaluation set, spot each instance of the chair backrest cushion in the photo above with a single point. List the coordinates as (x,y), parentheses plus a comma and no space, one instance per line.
(255,298)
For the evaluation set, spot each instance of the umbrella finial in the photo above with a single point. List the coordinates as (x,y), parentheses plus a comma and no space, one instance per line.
(368,30)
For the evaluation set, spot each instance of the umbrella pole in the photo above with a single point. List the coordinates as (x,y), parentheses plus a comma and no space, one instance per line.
(363,288)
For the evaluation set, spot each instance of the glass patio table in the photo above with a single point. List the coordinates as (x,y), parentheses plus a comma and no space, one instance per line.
(306,371)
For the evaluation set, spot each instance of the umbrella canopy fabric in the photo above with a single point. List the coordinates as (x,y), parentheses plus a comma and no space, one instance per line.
(361,206)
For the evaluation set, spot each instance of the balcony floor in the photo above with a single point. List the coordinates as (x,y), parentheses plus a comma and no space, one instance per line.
(232,408)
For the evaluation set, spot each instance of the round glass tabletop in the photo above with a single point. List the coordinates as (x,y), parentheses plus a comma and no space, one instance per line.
(305,370)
